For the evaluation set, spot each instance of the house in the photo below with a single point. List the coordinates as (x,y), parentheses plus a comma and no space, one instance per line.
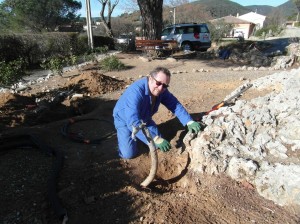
(255,18)
(291,23)
(241,27)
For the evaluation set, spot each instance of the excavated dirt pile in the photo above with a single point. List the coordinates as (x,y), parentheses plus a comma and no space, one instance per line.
(52,98)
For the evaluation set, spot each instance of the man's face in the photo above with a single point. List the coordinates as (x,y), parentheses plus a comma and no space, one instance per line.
(159,83)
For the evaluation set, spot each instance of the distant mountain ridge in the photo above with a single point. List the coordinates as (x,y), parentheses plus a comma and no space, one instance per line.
(261,9)
(212,9)
(221,8)
(288,8)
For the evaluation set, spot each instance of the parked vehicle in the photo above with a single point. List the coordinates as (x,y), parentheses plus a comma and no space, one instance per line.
(238,33)
(124,39)
(125,42)
(189,36)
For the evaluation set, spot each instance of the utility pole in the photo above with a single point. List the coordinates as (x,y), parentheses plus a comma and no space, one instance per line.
(89,24)
(174,15)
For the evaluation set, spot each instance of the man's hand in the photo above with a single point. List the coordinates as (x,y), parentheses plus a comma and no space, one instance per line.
(162,144)
(193,126)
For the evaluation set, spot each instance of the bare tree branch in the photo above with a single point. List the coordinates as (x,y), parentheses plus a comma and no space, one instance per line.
(297,4)
(107,20)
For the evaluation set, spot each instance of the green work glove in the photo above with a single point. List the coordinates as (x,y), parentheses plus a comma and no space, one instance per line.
(162,144)
(193,126)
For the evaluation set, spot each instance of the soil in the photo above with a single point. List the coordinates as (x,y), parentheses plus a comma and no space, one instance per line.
(94,184)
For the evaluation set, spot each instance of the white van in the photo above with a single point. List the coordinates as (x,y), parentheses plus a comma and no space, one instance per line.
(191,36)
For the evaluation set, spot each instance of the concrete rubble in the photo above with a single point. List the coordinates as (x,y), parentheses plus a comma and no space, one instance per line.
(257,141)
(275,60)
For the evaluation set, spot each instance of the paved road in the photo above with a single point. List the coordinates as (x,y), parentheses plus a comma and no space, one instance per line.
(291,32)
(279,43)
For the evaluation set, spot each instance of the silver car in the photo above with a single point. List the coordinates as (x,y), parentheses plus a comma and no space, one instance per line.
(191,36)
(125,42)
(124,39)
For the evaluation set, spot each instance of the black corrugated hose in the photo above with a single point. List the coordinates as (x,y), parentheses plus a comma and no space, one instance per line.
(82,139)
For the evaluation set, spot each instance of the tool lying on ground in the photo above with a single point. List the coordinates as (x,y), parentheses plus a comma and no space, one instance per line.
(153,153)
(229,100)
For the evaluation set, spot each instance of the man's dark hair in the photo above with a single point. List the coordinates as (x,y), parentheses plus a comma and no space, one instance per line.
(160,69)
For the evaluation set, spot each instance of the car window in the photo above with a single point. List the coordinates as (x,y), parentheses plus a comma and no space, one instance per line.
(166,31)
(203,29)
(189,29)
(179,30)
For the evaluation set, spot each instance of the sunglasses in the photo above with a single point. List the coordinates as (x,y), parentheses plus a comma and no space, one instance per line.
(158,83)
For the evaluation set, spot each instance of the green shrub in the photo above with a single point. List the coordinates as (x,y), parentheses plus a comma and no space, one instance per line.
(79,44)
(101,50)
(36,48)
(266,31)
(101,41)
(111,63)
(219,29)
(11,48)
(55,64)
(72,60)
(12,71)
(89,56)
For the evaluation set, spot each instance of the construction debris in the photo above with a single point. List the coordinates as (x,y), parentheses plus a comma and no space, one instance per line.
(254,141)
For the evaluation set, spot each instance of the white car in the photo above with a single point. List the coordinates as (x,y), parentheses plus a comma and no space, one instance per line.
(189,36)
(125,42)
(124,39)
(238,34)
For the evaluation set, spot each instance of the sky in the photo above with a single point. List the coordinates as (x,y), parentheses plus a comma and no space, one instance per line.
(96,6)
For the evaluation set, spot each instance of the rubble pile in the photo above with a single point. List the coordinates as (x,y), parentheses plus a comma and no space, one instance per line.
(256,57)
(257,141)
(253,57)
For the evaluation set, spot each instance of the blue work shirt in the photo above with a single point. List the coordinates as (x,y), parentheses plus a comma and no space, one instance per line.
(135,105)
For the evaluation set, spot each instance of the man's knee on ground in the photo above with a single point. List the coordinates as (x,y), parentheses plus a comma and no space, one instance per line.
(127,154)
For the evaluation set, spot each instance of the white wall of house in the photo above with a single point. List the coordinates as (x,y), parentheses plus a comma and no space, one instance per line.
(254,18)
(244,28)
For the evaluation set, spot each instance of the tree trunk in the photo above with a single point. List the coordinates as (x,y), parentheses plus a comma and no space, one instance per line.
(151,13)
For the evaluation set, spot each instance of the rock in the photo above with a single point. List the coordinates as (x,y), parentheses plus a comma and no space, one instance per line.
(279,183)
(144,59)
(241,169)
(171,59)
(254,140)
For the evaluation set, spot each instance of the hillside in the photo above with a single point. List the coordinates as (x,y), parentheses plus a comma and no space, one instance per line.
(204,10)
(220,8)
(288,8)
(261,9)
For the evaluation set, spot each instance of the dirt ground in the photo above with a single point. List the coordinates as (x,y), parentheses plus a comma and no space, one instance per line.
(94,185)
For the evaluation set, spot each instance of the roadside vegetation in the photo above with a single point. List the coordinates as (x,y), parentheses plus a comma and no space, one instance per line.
(12,71)
(111,63)
(29,37)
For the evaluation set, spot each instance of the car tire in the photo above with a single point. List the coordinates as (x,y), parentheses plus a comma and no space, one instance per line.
(186,46)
